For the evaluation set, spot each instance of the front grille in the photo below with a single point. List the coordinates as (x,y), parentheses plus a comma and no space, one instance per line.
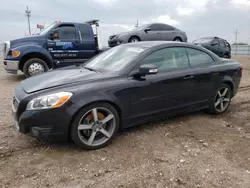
(15,103)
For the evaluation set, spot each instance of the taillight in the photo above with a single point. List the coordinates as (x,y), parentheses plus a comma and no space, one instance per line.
(241,70)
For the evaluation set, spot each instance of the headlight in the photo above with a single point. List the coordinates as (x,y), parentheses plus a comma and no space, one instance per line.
(49,101)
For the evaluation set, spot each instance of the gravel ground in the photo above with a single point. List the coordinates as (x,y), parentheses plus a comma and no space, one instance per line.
(195,150)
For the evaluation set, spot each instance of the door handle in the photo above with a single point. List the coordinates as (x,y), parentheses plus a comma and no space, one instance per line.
(188,77)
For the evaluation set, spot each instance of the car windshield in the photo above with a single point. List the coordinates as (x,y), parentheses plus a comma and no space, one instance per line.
(203,40)
(47,29)
(114,59)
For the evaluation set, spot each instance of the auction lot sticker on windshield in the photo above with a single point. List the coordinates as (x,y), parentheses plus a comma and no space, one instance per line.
(133,49)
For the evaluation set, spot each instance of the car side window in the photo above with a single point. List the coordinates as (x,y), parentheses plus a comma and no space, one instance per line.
(197,57)
(155,27)
(168,59)
(167,27)
(67,32)
(84,29)
(215,42)
(222,43)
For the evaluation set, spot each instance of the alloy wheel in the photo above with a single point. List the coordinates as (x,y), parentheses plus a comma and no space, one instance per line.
(222,99)
(96,126)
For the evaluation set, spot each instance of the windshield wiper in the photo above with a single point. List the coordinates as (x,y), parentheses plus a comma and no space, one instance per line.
(91,69)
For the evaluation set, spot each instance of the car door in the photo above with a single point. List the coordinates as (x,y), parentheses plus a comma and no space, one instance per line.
(215,47)
(87,46)
(167,92)
(168,32)
(154,34)
(65,46)
(202,65)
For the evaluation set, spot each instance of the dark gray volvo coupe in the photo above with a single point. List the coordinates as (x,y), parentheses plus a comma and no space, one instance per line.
(126,85)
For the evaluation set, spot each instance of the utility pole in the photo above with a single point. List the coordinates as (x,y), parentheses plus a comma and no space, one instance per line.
(236,39)
(137,23)
(236,36)
(28,14)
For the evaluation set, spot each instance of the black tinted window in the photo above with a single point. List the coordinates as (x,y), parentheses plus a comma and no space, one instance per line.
(167,27)
(168,59)
(197,57)
(155,27)
(215,42)
(67,32)
(222,43)
(84,29)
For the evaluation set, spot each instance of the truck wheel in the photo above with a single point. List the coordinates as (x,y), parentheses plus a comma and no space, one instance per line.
(34,66)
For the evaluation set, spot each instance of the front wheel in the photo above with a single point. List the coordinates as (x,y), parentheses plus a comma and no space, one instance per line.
(134,39)
(95,126)
(34,67)
(221,101)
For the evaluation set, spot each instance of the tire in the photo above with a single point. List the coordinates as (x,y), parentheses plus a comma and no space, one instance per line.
(36,64)
(178,39)
(134,39)
(84,127)
(225,99)
(226,56)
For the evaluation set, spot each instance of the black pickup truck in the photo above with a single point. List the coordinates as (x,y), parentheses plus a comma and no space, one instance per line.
(60,44)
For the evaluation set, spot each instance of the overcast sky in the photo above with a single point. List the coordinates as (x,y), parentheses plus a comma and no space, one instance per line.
(196,17)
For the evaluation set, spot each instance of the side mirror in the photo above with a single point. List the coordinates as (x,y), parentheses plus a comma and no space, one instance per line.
(147,69)
(147,29)
(53,34)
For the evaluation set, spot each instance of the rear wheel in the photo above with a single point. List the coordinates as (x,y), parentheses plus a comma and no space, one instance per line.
(222,100)
(177,39)
(34,66)
(226,56)
(95,126)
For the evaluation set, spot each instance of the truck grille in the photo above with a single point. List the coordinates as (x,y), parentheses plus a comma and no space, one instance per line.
(15,103)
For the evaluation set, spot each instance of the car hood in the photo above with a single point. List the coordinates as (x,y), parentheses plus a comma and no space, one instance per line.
(37,39)
(61,77)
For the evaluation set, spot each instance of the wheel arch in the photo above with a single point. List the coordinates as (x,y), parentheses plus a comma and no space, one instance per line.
(231,85)
(134,36)
(176,37)
(112,103)
(38,55)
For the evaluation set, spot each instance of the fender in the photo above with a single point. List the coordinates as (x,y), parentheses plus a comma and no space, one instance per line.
(229,81)
(33,48)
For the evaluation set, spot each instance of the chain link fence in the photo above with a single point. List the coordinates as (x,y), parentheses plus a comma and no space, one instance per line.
(240,50)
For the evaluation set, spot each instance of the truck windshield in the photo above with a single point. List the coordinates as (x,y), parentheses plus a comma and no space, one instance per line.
(47,29)
(114,59)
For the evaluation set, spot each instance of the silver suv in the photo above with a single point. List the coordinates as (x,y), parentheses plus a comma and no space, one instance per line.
(149,32)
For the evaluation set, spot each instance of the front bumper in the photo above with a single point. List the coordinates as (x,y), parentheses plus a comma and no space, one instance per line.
(114,42)
(50,124)
(11,66)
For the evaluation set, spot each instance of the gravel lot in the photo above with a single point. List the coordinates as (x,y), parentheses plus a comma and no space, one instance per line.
(195,150)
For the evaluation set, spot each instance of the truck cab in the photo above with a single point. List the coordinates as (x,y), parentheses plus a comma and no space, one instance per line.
(60,44)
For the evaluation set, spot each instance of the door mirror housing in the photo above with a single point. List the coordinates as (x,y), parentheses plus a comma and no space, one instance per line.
(147,29)
(54,34)
(147,69)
